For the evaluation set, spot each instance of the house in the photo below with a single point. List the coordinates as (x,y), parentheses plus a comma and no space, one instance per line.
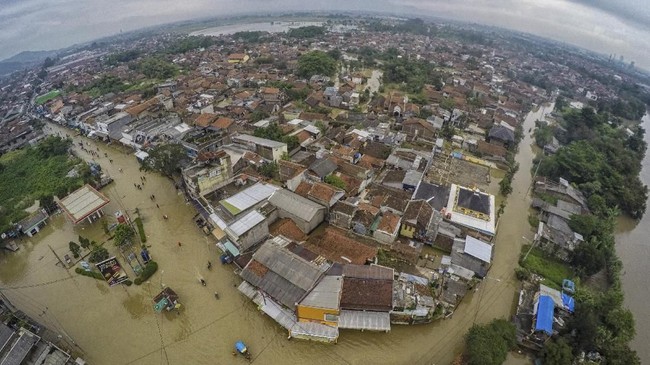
(364,219)
(501,136)
(304,212)
(411,180)
(291,173)
(562,190)
(282,275)
(270,150)
(337,247)
(419,128)
(33,223)
(248,230)
(278,280)
(112,127)
(435,195)
(247,199)
(388,228)
(211,171)
(472,254)
(366,297)
(471,210)
(420,222)
(321,168)
(341,214)
(492,150)
(321,305)
(321,193)
(557,238)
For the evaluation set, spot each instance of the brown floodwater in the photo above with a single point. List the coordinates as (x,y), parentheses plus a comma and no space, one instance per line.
(118,325)
(633,248)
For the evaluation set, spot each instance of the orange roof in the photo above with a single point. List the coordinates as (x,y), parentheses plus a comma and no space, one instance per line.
(288,228)
(223,123)
(388,222)
(204,120)
(136,110)
(270,90)
(236,56)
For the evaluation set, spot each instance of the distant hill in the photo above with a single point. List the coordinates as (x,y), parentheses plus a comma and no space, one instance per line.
(23,60)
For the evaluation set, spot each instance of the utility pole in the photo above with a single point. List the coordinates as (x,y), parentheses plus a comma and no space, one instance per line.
(57,257)
(532,244)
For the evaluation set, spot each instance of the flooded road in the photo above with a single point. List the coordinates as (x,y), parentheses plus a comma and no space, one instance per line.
(118,325)
(633,248)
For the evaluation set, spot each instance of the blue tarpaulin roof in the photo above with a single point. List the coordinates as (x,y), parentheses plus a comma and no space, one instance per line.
(544,320)
(568,302)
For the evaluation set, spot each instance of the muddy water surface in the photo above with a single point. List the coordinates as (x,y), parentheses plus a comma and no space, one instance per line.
(118,325)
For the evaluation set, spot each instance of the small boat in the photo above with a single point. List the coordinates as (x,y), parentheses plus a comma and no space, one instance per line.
(241,349)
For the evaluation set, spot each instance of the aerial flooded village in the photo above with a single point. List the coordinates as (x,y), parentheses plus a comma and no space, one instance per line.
(333,176)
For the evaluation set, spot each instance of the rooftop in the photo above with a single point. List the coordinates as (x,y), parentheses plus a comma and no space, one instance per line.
(325,294)
(248,197)
(83,202)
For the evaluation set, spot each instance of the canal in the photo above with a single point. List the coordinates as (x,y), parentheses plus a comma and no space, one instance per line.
(118,325)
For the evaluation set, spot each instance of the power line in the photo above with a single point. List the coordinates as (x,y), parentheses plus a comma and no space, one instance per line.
(184,339)
(36,285)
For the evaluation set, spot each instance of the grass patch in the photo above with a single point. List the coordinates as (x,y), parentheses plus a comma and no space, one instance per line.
(47,97)
(138,223)
(533,220)
(554,271)
(92,274)
(547,198)
(149,269)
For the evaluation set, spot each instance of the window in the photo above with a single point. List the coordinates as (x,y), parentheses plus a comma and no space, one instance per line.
(331,318)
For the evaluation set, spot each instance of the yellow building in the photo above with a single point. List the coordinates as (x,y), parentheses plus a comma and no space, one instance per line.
(238,58)
(321,305)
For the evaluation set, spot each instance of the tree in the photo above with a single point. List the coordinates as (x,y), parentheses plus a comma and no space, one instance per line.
(156,68)
(166,159)
(557,352)
(47,202)
(84,242)
(123,234)
(588,259)
(98,254)
(74,248)
(335,181)
(316,63)
(489,344)
(269,169)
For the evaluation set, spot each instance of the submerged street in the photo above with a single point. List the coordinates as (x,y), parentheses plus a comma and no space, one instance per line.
(119,326)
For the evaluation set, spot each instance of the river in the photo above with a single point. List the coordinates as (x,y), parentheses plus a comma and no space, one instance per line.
(633,248)
(118,325)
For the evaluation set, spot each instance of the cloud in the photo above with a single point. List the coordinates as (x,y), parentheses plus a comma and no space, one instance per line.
(599,25)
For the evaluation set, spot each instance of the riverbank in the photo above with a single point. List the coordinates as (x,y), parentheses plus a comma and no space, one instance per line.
(633,249)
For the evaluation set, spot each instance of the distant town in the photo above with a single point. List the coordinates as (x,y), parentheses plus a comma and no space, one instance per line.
(351,173)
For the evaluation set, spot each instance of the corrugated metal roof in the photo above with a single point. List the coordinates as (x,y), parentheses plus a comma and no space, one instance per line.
(288,276)
(288,265)
(312,329)
(479,249)
(83,202)
(368,272)
(248,197)
(325,294)
(260,141)
(245,223)
(295,204)
(363,320)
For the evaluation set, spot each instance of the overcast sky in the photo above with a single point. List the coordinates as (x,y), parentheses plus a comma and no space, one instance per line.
(607,26)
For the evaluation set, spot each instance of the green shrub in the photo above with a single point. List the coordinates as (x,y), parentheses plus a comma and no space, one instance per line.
(522,273)
(128,283)
(138,223)
(149,269)
(93,274)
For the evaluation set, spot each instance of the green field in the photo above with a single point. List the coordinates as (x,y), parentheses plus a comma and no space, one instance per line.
(554,271)
(47,97)
(29,174)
